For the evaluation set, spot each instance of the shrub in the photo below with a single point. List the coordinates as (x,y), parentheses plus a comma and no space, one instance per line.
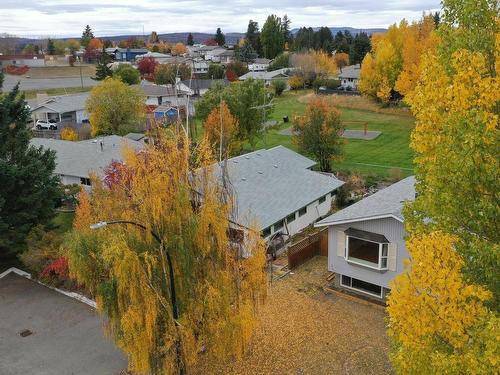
(331,84)
(128,74)
(42,249)
(69,134)
(296,82)
(56,271)
(16,70)
(279,86)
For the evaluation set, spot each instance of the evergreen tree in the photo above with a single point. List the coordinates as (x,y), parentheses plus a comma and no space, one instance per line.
(28,189)
(246,53)
(87,36)
(437,19)
(360,47)
(219,37)
(51,48)
(102,69)
(304,40)
(253,36)
(323,39)
(285,25)
(190,40)
(271,37)
(1,80)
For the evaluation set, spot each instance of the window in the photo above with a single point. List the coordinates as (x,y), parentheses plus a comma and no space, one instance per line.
(278,225)
(361,286)
(290,218)
(302,211)
(266,232)
(370,252)
(85,181)
(236,235)
(322,199)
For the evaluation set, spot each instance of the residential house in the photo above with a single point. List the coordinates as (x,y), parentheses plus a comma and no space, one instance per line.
(45,330)
(125,54)
(268,77)
(76,160)
(200,86)
(199,66)
(259,65)
(366,241)
(349,76)
(163,94)
(277,191)
(65,108)
(226,57)
(160,58)
(31,60)
(211,53)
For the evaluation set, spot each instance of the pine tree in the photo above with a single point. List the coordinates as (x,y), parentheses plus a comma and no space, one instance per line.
(102,69)
(246,53)
(253,36)
(87,36)
(285,25)
(51,48)
(190,40)
(28,188)
(219,37)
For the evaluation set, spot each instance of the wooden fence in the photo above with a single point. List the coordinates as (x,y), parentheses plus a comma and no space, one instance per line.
(306,248)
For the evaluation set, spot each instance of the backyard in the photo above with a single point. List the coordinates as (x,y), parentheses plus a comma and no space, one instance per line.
(389,151)
(307,329)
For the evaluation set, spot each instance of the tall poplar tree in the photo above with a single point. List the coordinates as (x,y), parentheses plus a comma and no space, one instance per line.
(272,38)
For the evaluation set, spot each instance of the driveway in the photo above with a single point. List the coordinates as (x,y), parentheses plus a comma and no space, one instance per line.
(28,84)
(306,329)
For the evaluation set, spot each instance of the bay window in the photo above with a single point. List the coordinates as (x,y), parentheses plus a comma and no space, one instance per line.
(366,249)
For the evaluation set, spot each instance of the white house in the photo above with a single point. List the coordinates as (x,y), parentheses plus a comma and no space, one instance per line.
(31,60)
(76,160)
(259,65)
(366,241)
(349,76)
(160,58)
(161,94)
(212,54)
(267,77)
(64,108)
(277,191)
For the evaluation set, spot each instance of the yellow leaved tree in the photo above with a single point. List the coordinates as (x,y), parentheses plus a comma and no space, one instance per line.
(182,217)
(221,126)
(439,320)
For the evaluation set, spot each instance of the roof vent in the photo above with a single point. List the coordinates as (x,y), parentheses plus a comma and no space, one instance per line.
(243,179)
(25,332)
(247,157)
(260,172)
(275,165)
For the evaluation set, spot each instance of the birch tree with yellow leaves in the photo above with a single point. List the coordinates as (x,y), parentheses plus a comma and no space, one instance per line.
(170,190)
(444,308)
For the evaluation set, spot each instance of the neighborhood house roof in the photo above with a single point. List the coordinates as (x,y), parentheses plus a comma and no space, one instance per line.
(351,71)
(204,84)
(157,55)
(271,184)
(160,90)
(61,335)
(387,202)
(79,158)
(63,104)
(261,60)
(266,75)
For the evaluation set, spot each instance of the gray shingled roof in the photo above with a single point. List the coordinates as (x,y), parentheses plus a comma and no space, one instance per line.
(64,103)
(351,71)
(266,75)
(271,184)
(387,202)
(79,158)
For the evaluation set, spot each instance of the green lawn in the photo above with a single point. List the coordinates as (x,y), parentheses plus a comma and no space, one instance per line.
(390,150)
(31,94)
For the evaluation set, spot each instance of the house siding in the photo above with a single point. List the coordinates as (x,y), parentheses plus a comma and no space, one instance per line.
(391,228)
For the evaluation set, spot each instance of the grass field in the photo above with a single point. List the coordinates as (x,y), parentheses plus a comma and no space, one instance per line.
(88,70)
(389,151)
(57,91)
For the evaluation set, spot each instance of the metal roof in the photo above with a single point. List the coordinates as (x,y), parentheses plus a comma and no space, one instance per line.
(271,184)
(63,103)
(79,158)
(387,202)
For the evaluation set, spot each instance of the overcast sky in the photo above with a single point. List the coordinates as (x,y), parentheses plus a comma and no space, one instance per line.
(66,18)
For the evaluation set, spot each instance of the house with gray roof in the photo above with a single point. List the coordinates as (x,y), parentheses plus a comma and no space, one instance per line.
(44,330)
(267,77)
(277,191)
(75,161)
(63,108)
(349,76)
(366,241)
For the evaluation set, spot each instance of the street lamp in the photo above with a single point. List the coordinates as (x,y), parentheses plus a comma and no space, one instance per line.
(173,296)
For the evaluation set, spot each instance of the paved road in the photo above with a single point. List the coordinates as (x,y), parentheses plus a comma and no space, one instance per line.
(45,83)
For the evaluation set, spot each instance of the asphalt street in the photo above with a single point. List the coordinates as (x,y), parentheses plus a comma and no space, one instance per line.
(28,84)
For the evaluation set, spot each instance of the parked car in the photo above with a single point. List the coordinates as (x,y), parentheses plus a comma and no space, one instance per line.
(46,125)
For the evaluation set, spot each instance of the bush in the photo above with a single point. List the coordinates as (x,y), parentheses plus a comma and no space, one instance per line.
(43,249)
(128,74)
(16,70)
(215,71)
(330,84)
(279,62)
(296,82)
(68,134)
(279,86)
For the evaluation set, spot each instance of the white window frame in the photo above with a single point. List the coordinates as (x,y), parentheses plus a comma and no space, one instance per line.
(360,290)
(380,256)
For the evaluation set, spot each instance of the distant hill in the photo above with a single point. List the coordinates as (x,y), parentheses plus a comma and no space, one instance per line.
(352,30)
